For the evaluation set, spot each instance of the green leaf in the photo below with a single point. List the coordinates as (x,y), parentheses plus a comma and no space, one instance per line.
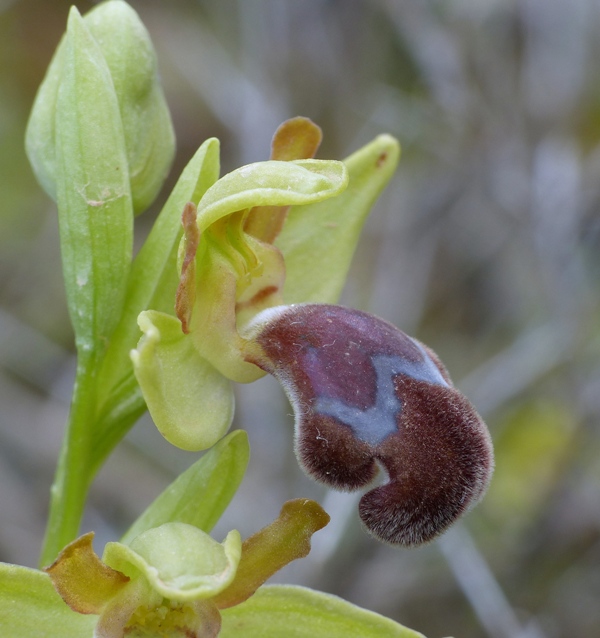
(297,612)
(93,196)
(180,561)
(30,606)
(153,279)
(190,402)
(319,240)
(201,494)
(271,183)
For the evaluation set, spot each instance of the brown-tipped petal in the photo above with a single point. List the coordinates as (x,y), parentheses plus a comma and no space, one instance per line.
(83,581)
(297,138)
(276,545)
(364,393)
(186,291)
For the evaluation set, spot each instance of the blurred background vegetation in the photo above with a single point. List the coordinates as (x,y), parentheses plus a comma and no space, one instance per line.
(485,246)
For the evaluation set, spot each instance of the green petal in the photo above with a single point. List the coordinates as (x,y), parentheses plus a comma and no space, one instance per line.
(153,279)
(271,183)
(84,582)
(190,402)
(297,138)
(180,562)
(271,549)
(30,606)
(318,240)
(297,612)
(93,195)
(200,495)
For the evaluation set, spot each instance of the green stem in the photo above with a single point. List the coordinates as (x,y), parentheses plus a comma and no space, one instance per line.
(73,475)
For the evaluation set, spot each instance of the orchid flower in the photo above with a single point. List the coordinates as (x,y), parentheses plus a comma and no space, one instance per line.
(253,241)
(168,578)
(364,393)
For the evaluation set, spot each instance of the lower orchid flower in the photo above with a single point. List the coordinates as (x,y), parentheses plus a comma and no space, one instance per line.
(168,578)
(174,580)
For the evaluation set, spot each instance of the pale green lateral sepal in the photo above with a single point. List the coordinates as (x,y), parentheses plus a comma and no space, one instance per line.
(93,196)
(181,562)
(189,401)
(200,495)
(298,612)
(30,606)
(319,240)
(272,183)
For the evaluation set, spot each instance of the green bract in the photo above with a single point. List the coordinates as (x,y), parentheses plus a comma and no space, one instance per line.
(92,190)
(124,48)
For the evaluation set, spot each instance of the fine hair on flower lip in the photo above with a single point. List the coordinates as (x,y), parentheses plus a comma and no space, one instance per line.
(367,395)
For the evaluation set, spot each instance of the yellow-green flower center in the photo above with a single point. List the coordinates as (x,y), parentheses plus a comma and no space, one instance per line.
(170,619)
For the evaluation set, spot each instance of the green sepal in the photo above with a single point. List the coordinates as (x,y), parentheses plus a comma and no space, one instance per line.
(298,612)
(190,402)
(93,196)
(30,606)
(200,495)
(271,183)
(180,562)
(153,279)
(319,240)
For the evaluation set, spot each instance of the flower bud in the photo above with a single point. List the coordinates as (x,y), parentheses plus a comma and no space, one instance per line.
(146,122)
(366,394)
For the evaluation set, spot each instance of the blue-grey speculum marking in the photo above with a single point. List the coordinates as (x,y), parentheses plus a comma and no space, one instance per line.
(377,422)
